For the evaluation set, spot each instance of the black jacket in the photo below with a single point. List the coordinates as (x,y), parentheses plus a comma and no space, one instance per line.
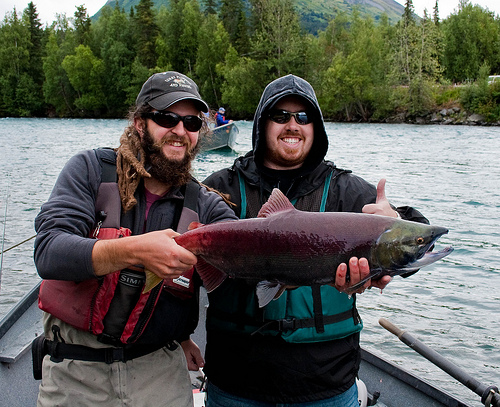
(270,369)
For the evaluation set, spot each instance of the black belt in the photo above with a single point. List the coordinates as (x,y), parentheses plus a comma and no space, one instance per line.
(59,351)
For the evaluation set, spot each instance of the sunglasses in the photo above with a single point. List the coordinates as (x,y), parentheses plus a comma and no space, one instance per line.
(170,119)
(283,116)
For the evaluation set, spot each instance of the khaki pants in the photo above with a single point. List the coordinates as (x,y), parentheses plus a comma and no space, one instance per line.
(158,379)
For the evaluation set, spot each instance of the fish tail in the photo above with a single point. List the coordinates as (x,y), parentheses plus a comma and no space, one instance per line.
(152,280)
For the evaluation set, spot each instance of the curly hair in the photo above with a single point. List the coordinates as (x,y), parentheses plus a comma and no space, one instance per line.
(130,159)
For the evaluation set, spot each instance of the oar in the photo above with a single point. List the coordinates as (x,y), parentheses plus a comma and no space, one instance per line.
(489,394)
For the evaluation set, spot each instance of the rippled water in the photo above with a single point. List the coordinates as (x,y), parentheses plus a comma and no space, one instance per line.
(450,173)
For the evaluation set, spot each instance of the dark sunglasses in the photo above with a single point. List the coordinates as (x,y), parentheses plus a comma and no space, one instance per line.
(282,116)
(170,119)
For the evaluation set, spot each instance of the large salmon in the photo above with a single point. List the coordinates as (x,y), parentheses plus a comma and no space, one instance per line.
(287,247)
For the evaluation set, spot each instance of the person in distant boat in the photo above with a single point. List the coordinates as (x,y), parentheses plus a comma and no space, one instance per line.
(302,348)
(220,117)
(108,342)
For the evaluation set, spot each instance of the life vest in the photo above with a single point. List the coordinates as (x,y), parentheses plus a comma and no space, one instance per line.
(113,307)
(305,314)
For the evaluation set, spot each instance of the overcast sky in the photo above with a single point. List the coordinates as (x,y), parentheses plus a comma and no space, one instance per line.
(47,9)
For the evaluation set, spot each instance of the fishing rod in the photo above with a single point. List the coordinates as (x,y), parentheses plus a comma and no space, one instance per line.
(18,244)
(489,394)
(3,234)
(10,248)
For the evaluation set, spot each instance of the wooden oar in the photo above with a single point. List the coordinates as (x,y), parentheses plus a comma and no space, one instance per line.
(489,394)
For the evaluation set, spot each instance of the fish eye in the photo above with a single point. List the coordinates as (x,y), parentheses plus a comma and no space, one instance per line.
(420,240)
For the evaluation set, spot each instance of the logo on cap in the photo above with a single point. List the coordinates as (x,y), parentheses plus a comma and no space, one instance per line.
(178,81)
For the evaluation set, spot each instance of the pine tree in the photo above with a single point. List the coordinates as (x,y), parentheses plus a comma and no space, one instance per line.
(82,24)
(210,7)
(233,17)
(147,32)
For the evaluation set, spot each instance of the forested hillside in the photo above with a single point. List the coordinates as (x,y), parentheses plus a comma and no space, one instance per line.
(314,15)
(361,70)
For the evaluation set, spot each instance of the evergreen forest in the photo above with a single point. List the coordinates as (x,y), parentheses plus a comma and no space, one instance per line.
(362,70)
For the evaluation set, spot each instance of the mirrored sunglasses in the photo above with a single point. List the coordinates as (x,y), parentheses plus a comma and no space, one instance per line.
(283,116)
(170,119)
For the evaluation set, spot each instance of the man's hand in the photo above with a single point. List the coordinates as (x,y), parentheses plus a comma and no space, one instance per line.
(156,251)
(381,205)
(193,355)
(358,270)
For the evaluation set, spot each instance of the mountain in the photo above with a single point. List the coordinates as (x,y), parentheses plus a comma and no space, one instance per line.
(314,14)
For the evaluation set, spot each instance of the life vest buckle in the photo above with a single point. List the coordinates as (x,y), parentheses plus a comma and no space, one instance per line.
(114,355)
(289,324)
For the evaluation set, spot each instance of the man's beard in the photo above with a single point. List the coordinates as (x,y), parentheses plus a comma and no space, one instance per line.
(174,173)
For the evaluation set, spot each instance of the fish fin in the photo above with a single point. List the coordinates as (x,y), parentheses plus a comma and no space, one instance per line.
(277,202)
(354,287)
(211,276)
(152,280)
(267,291)
(194,225)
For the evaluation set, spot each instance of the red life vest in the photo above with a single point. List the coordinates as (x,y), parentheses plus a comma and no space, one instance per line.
(112,307)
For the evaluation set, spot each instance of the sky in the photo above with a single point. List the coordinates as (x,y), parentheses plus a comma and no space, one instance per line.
(47,9)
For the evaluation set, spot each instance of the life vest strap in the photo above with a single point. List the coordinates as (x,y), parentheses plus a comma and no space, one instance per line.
(293,324)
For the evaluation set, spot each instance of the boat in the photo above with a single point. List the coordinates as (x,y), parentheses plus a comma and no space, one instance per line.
(222,137)
(386,384)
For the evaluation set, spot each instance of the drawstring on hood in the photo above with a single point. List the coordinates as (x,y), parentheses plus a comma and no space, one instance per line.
(289,85)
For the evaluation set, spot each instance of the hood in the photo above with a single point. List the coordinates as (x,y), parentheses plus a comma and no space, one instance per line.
(287,86)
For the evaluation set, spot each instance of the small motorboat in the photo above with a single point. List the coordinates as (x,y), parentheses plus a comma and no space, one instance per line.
(222,137)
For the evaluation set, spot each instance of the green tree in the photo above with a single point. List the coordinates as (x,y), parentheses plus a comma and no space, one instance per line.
(234,19)
(85,72)
(244,81)
(37,42)
(210,54)
(33,94)
(351,82)
(117,54)
(210,7)
(337,37)
(146,31)
(189,39)
(169,47)
(57,88)
(415,61)
(277,42)
(14,64)
(179,39)
(82,24)
(471,38)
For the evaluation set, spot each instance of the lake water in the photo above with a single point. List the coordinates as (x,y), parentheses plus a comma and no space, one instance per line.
(450,173)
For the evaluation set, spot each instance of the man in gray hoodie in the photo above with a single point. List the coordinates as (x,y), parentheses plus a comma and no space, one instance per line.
(108,342)
(304,346)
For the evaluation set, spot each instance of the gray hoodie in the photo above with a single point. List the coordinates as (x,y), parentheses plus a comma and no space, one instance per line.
(285,86)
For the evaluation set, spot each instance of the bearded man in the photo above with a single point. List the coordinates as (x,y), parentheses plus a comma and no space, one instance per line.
(107,341)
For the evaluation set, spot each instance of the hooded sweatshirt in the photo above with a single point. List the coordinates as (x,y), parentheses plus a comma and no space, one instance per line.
(271,369)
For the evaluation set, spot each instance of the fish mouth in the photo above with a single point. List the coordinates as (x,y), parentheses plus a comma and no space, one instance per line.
(428,257)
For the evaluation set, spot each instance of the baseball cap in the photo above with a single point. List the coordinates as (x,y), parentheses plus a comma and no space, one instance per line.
(222,110)
(164,89)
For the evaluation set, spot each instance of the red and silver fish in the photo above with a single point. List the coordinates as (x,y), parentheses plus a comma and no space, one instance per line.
(285,247)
